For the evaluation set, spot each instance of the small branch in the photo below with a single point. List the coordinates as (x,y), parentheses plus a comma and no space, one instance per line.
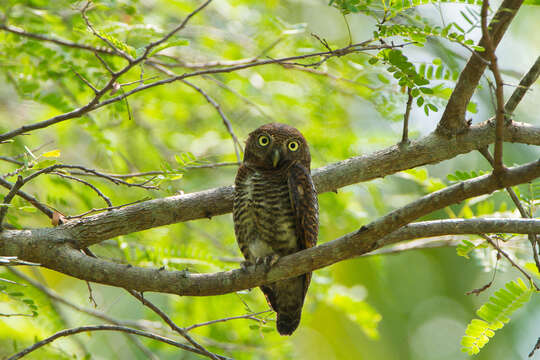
(13,315)
(159,172)
(7,199)
(453,118)
(251,316)
(83,79)
(536,347)
(175,30)
(405,136)
(96,190)
(172,325)
(112,179)
(81,329)
(524,85)
(104,63)
(98,35)
(532,236)
(21,32)
(164,316)
(498,165)
(236,143)
(63,300)
(514,264)
(226,122)
(11,160)
(104,209)
(32,200)
(95,104)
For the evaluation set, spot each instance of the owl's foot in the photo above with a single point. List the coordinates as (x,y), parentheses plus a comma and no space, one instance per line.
(245,264)
(267,261)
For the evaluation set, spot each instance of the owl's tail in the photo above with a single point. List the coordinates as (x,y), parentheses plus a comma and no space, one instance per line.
(287,322)
(286,298)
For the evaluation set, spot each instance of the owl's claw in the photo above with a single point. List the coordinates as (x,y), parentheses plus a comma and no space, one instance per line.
(245,264)
(267,261)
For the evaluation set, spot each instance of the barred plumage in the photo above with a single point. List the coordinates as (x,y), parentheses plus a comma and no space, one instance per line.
(276,211)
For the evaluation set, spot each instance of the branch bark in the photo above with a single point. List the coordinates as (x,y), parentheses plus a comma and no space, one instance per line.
(206,204)
(453,118)
(44,246)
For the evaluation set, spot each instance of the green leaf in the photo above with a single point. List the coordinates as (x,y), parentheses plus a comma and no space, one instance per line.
(494,314)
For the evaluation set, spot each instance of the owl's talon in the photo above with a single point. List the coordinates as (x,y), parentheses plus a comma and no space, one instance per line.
(245,264)
(267,261)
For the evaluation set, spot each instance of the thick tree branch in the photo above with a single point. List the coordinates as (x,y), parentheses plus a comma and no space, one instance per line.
(47,247)
(453,117)
(205,204)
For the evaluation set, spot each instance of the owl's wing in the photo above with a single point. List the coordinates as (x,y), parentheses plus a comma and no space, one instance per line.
(305,208)
(240,205)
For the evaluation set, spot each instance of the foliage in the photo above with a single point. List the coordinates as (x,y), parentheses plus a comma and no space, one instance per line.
(494,314)
(171,136)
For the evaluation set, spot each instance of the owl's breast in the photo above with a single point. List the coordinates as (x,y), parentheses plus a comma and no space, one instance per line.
(264,218)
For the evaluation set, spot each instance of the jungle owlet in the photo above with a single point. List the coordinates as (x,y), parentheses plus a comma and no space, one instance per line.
(276,212)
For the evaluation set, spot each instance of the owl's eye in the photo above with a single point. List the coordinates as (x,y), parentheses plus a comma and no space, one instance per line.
(264,140)
(293,145)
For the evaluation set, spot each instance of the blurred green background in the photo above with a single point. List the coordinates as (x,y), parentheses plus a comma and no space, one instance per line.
(409,305)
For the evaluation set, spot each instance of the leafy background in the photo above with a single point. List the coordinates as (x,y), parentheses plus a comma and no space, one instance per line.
(411,305)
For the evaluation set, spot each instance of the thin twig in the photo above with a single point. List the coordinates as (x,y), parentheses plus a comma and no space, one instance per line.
(405,135)
(251,316)
(21,32)
(68,332)
(105,209)
(84,80)
(236,143)
(182,25)
(101,37)
(104,63)
(171,323)
(64,300)
(514,264)
(96,190)
(112,179)
(13,315)
(164,316)
(498,165)
(159,172)
(95,103)
(7,199)
(532,237)
(11,160)
(32,200)
(536,347)
(524,85)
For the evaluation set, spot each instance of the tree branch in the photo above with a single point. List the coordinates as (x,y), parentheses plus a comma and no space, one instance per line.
(36,245)
(96,104)
(524,85)
(21,32)
(77,330)
(453,117)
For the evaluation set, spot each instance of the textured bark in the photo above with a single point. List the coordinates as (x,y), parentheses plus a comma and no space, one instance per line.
(206,204)
(453,117)
(46,247)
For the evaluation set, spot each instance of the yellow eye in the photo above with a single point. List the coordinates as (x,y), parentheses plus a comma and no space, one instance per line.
(264,140)
(293,145)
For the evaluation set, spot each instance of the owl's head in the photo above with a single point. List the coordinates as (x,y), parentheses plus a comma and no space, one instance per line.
(275,146)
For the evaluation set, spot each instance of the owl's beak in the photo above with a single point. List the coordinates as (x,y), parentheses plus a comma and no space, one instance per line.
(275,157)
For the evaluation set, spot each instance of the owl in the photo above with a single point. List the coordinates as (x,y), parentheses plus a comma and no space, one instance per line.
(276,212)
